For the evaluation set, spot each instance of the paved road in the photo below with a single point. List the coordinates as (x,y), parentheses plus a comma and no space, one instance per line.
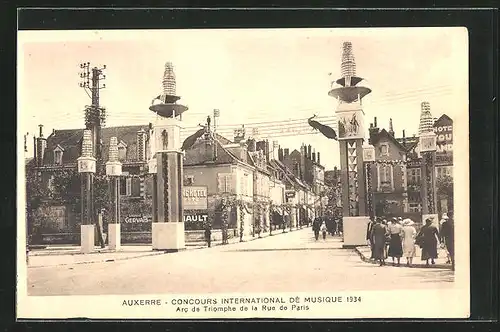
(292,262)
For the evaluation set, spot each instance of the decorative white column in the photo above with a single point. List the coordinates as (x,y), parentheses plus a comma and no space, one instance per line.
(427,143)
(87,169)
(168,225)
(114,171)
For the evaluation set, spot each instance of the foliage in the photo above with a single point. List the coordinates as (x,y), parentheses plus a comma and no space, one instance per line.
(444,188)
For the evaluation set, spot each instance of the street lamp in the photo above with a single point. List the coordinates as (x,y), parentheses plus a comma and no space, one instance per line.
(427,146)
(369,159)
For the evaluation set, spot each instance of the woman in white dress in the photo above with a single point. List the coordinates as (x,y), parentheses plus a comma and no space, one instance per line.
(409,234)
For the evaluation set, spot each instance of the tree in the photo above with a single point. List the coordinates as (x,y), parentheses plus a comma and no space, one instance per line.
(444,188)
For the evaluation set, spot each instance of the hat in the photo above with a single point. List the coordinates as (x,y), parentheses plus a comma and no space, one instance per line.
(428,220)
(408,222)
(399,218)
(445,216)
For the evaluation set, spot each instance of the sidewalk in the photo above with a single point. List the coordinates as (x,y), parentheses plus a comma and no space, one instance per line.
(70,254)
(365,253)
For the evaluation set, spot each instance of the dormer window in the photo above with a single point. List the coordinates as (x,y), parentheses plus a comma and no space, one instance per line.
(122,151)
(58,153)
(384,149)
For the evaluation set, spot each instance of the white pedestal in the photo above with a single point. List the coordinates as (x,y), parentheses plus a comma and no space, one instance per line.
(354,231)
(168,236)
(114,236)
(87,238)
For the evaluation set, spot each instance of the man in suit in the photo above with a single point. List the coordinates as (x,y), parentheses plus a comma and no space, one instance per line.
(369,235)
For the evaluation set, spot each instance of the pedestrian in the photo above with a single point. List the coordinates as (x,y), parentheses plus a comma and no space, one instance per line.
(395,244)
(368,236)
(386,246)
(334,226)
(409,234)
(378,236)
(428,239)
(443,222)
(340,227)
(208,235)
(448,237)
(316,226)
(323,230)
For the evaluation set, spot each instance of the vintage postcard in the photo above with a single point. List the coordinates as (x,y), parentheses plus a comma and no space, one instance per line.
(246,173)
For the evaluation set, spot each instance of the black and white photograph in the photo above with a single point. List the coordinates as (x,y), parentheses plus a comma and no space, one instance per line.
(243,173)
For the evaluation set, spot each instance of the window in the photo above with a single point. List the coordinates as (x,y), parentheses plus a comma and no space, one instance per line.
(125,185)
(443,171)
(414,176)
(224,183)
(384,149)
(244,184)
(415,207)
(122,151)
(189,180)
(58,157)
(385,180)
(50,183)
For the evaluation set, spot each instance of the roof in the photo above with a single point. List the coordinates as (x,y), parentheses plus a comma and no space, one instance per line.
(384,132)
(70,141)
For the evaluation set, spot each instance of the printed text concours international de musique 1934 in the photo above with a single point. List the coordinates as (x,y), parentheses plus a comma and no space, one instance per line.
(209,304)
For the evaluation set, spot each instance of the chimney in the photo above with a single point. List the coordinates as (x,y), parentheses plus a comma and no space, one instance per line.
(34,149)
(275,150)
(375,122)
(391,129)
(286,153)
(404,138)
(41,145)
(280,153)
(141,145)
(309,152)
(317,157)
(251,145)
(267,150)
(314,156)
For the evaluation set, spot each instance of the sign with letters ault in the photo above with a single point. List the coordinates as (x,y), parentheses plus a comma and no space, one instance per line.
(195,198)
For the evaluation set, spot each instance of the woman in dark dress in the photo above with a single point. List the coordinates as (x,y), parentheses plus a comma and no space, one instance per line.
(428,239)
(378,237)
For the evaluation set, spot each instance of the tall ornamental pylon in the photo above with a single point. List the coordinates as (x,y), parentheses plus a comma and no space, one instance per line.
(166,167)
(87,168)
(349,91)
(114,171)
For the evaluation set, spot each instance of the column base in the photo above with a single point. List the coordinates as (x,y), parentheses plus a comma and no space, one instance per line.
(87,238)
(114,238)
(168,236)
(354,231)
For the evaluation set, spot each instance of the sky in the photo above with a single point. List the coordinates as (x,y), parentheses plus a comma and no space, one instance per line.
(260,76)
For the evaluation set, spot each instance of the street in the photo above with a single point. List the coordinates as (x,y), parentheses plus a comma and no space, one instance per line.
(292,262)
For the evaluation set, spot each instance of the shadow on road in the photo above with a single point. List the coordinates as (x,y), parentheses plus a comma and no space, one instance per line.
(281,249)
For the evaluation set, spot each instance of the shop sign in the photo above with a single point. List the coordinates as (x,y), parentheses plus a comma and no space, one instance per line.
(196,217)
(137,219)
(195,198)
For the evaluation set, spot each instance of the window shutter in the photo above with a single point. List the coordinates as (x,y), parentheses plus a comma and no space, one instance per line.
(220,183)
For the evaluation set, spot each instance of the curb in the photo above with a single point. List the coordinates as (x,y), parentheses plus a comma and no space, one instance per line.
(414,266)
(196,247)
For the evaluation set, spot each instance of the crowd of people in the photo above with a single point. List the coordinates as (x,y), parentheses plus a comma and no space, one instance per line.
(326,225)
(397,238)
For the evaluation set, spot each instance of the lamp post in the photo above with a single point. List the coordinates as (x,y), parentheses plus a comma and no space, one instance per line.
(427,145)
(114,171)
(369,159)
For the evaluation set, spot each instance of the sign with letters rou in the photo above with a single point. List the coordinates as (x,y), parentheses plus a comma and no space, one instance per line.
(195,197)
(196,217)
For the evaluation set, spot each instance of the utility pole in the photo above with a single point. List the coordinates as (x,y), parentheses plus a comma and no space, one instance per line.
(90,161)
(95,115)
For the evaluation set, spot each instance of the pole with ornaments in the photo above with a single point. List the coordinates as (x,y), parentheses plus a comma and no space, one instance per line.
(427,148)
(349,91)
(87,169)
(166,167)
(114,171)
(369,159)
